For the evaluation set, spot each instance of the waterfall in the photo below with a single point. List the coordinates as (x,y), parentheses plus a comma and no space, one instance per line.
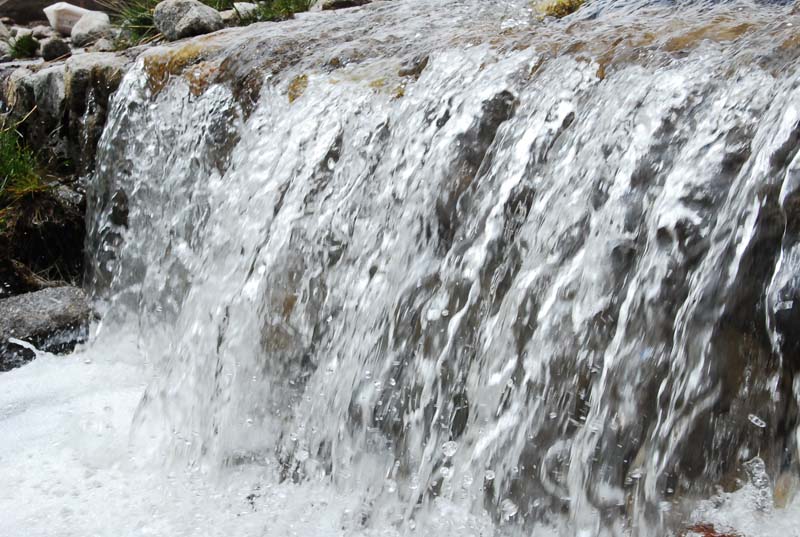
(442,249)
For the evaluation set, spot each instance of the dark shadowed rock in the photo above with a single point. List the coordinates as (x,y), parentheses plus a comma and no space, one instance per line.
(185,18)
(54,48)
(53,320)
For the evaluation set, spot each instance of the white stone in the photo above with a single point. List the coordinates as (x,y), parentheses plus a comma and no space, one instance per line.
(62,16)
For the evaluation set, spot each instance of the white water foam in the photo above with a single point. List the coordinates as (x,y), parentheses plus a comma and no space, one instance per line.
(66,468)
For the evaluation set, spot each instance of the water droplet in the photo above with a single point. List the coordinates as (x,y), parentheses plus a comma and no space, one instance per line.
(508,508)
(367,375)
(447,472)
(392,382)
(391,485)
(755,420)
(413,483)
(445,312)
(449,448)
(301,455)
(489,475)
(466,481)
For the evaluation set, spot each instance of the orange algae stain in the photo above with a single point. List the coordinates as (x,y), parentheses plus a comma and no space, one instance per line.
(297,87)
(719,30)
(706,530)
(159,67)
(201,76)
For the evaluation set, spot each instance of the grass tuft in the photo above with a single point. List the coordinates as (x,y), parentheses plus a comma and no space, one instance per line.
(18,177)
(25,46)
(559,8)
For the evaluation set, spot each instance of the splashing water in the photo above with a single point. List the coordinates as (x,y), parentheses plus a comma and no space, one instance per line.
(544,270)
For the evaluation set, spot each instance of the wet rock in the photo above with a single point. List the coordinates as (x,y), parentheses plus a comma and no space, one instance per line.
(326,5)
(5,52)
(4,33)
(91,27)
(185,18)
(54,48)
(53,320)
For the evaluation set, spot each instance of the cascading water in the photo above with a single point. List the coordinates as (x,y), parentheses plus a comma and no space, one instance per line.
(440,249)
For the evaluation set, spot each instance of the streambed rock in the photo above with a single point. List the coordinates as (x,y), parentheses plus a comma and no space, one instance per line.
(53,320)
(186,18)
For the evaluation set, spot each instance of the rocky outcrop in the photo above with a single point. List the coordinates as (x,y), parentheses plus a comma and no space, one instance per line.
(186,18)
(52,320)
(65,105)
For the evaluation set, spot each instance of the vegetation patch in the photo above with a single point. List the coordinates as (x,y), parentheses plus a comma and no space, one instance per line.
(559,8)
(24,46)
(41,228)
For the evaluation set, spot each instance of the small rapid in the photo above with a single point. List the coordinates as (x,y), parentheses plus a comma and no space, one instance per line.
(440,252)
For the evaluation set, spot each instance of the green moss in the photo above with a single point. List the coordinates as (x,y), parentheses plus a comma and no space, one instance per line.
(559,8)
(25,46)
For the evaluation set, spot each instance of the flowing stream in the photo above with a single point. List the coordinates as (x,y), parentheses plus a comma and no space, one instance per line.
(440,252)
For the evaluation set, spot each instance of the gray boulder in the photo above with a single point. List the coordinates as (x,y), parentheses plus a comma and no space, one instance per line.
(5,52)
(4,33)
(54,48)
(185,18)
(53,320)
(91,27)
